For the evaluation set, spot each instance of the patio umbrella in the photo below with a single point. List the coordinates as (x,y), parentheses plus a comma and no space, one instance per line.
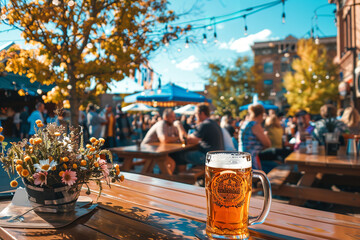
(257,101)
(266,106)
(138,107)
(186,110)
(167,96)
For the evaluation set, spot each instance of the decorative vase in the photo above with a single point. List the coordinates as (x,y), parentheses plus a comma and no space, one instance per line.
(52,200)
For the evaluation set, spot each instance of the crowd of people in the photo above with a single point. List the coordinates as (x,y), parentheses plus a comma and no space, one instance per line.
(269,136)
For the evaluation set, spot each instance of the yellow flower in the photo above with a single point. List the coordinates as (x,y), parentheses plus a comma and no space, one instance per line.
(1,129)
(27,158)
(53,168)
(61,173)
(117,166)
(37,140)
(2,138)
(14,183)
(19,168)
(92,140)
(64,166)
(89,157)
(83,163)
(31,140)
(96,142)
(101,140)
(88,146)
(122,178)
(117,172)
(19,161)
(51,158)
(57,134)
(74,166)
(40,125)
(24,173)
(38,121)
(96,164)
(65,159)
(92,149)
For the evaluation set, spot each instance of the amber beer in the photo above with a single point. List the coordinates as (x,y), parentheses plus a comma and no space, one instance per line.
(228,190)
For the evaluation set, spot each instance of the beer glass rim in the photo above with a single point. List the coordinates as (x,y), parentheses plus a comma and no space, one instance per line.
(229,152)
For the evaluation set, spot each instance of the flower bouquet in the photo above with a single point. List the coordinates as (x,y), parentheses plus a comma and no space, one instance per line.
(54,165)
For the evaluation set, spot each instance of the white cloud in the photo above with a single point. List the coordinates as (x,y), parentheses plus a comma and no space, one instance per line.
(189,63)
(243,44)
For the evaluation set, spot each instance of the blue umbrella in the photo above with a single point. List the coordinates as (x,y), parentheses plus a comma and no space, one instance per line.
(167,93)
(266,106)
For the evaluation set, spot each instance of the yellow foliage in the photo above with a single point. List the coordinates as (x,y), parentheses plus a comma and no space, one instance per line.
(313,81)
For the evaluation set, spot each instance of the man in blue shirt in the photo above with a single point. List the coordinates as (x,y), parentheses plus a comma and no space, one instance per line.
(36,115)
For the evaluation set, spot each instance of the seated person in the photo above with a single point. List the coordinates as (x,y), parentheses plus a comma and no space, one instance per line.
(167,131)
(252,138)
(329,123)
(207,133)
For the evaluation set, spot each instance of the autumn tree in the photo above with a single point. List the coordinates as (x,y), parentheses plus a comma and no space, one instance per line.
(313,81)
(231,86)
(78,43)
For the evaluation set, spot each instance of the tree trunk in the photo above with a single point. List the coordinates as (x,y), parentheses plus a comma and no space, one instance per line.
(74,103)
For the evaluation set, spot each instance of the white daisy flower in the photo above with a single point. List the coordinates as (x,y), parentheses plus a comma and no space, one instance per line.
(44,165)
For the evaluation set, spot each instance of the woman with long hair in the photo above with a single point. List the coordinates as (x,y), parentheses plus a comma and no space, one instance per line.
(252,138)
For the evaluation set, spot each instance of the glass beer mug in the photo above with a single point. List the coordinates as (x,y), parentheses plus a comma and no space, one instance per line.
(228,185)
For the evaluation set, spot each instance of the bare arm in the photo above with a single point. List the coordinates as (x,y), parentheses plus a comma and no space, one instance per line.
(193,139)
(259,133)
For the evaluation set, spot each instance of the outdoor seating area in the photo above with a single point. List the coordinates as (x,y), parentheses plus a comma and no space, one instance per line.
(179,120)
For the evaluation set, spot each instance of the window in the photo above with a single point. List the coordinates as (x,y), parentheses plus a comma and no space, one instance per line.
(268,84)
(268,67)
(285,66)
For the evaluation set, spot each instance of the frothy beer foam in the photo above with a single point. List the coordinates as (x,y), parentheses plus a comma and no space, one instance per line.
(229,160)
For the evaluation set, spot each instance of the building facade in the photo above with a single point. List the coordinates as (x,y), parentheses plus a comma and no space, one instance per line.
(275,58)
(348,47)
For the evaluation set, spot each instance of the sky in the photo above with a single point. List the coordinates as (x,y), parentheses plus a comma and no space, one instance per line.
(187,67)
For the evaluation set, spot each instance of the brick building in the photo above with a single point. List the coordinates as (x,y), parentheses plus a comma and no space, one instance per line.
(275,58)
(348,45)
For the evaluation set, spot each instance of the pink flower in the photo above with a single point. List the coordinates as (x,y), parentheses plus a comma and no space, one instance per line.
(104,168)
(69,177)
(40,178)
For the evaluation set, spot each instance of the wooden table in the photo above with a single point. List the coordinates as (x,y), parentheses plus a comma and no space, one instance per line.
(344,170)
(154,153)
(144,207)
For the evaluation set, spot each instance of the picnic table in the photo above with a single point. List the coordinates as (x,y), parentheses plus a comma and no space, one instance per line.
(332,170)
(144,207)
(153,153)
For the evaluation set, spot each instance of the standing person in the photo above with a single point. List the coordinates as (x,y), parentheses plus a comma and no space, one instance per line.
(167,131)
(24,124)
(123,126)
(35,115)
(207,133)
(110,127)
(252,138)
(94,121)
(16,125)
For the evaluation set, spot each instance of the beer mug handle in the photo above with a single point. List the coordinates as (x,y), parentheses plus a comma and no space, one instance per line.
(267,197)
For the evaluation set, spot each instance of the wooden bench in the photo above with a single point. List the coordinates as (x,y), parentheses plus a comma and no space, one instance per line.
(279,176)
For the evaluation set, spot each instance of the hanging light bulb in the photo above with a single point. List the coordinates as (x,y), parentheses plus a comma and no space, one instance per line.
(277,74)
(204,39)
(187,43)
(317,40)
(283,17)
(71,3)
(283,12)
(215,37)
(245,28)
